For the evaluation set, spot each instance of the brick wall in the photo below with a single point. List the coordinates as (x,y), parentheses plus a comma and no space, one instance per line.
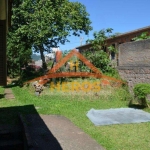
(134,62)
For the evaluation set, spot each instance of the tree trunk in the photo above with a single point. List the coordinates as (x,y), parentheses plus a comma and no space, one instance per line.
(144,102)
(44,66)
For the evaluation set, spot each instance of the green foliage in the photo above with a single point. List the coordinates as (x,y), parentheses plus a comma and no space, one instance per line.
(97,55)
(141,90)
(50,63)
(112,49)
(18,54)
(99,59)
(143,36)
(43,24)
(99,39)
(65,52)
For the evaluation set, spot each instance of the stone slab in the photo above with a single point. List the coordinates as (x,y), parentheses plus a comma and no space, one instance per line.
(8,94)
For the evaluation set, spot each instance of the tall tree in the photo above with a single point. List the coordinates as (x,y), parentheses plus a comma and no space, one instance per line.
(97,54)
(46,23)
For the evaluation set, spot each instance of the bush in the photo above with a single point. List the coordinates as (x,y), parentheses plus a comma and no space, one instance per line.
(141,90)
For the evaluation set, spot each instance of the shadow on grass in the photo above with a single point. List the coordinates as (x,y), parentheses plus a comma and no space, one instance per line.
(2,96)
(10,85)
(39,134)
(137,106)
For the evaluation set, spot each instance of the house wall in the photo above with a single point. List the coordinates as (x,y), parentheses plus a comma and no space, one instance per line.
(134,62)
(3,22)
(2,52)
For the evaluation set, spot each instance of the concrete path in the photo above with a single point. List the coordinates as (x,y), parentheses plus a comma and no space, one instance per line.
(8,94)
(58,133)
(69,136)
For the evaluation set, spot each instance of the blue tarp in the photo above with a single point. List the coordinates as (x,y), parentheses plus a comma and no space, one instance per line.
(117,116)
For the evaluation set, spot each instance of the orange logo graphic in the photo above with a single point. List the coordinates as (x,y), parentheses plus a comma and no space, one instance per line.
(95,72)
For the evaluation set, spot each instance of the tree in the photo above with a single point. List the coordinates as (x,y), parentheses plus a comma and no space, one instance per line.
(18,53)
(18,45)
(97,55)
(42,24)
(100,37)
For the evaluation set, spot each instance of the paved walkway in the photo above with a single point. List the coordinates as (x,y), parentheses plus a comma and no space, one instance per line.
(58,133)
(8,94)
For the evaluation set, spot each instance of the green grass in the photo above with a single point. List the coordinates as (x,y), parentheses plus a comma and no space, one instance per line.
(75,106)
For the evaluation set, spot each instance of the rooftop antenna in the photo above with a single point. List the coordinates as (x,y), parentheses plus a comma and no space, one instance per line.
(87,41)
(81,40)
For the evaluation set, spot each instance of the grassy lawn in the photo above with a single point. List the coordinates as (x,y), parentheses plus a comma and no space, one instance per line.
(75,106)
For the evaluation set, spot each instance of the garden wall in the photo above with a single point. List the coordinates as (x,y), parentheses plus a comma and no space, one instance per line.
(134,62)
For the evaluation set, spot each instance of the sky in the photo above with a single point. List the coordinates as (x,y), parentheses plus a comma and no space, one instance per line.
(120,15)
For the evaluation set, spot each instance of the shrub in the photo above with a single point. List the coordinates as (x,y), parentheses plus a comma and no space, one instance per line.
(141,90)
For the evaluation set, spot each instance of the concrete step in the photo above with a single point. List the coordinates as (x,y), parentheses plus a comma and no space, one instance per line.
(15,144)
(11,138)
(8,134)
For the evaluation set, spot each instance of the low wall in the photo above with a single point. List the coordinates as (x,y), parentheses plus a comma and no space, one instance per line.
(134,62)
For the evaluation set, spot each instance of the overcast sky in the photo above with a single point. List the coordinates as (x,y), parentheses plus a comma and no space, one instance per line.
(121,15)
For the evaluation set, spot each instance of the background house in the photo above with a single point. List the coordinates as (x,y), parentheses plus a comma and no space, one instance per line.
(119,39)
